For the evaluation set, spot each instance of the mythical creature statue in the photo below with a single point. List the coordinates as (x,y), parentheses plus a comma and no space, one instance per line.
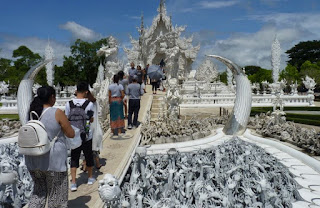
(109,190)
(309,83)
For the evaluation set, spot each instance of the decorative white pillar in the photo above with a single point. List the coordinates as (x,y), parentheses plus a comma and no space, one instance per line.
(49,67)
(275,59)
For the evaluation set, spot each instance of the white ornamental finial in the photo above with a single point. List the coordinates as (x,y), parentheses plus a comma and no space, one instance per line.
(49,55)
(275,59)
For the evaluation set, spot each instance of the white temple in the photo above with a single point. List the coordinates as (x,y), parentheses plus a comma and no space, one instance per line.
(163,41)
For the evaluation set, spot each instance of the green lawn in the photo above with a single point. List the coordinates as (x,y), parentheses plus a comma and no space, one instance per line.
(9,116)
(297,118)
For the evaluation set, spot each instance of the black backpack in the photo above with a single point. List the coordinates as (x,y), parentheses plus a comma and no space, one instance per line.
(78,117)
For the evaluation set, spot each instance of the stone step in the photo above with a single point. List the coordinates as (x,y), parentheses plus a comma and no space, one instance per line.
(155,110)
(156,102)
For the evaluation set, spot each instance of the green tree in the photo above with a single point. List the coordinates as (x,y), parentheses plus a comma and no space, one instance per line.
(25,59)
(85,59)
(257,74)
(303,51)
(312,70)
(223,77)
(66,75)
(5,65)
(291,74)
(250,70)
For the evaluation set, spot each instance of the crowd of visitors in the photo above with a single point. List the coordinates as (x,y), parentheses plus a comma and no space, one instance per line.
(50,170)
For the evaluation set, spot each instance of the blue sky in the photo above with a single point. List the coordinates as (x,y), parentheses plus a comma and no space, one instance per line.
(242,30)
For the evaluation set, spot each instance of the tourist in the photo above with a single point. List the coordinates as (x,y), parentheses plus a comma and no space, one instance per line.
(124,83)
(116,95)
(134,92)
(154,83)
(49,171)
(139,74)
(132,72)
(80,113)
(95,135)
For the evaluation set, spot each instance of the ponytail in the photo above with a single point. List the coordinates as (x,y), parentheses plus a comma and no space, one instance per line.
(43,96)
(36,106)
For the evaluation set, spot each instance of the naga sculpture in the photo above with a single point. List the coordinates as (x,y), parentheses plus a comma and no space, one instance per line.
(239,118)
(25,90)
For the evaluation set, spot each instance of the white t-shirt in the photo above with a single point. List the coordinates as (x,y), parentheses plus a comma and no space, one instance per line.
(80,102)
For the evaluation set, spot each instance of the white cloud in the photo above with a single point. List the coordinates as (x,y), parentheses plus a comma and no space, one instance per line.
(216,4)
(185,6)
(79,31)
(36,45)
(303,21)
(255,48)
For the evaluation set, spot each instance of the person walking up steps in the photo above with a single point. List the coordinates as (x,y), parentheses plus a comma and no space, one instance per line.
(116,95)
(132,72)
(80,114)
(134,92)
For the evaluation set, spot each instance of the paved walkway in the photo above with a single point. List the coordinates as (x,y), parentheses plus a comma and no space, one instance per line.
(115,156)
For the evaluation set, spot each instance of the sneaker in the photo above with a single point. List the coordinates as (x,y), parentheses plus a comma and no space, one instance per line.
(91,181)
(73,187)
(129,126)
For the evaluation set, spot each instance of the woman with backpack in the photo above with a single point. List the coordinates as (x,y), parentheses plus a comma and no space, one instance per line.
(49,171)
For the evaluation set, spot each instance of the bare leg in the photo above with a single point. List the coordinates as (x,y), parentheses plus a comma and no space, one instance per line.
(97,160)
(84,165)
(125,109)
(89,172)
(73,175)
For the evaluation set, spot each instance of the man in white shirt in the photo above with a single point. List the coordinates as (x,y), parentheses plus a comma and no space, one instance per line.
(74,111)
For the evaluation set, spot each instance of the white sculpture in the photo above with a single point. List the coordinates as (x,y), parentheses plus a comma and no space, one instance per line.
(270,126)
(110,52)
(234,174)
(238,120)
(35,87)
(16,185)
(275,59)
(309,83)
(4,88)
(109,190)
(207,71)
(104,78)
(49,55)
(294,88)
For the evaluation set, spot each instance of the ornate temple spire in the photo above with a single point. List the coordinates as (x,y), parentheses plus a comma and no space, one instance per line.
(142,24)
(162,8)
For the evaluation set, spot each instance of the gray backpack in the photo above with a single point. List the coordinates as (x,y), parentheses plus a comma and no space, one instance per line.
(78,117)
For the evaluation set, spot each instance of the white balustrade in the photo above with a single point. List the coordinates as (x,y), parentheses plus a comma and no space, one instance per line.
(209,100)
(11,105)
